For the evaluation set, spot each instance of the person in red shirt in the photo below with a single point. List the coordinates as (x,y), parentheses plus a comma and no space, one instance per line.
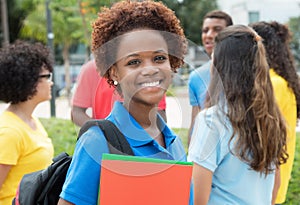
(94,92)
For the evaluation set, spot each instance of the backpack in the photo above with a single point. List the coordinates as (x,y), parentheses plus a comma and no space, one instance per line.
(43,187)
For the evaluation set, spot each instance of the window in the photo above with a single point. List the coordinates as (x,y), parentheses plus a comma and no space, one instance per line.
(253,16)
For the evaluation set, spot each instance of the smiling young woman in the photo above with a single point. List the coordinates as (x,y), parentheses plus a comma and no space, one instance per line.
(144,74)
(137,46)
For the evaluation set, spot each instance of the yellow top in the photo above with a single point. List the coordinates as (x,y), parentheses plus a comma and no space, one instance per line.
(286,101)
(27,150)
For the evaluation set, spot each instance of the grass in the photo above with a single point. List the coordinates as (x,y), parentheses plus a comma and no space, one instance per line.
(64,134)
(293,196)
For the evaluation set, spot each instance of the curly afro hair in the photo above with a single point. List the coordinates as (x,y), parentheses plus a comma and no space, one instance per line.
(277,38)
(126,16)
(20,66)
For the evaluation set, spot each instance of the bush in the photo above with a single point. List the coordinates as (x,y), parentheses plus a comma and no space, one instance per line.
(63,134)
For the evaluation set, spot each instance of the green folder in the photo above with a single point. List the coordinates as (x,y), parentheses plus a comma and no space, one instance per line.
(141,159)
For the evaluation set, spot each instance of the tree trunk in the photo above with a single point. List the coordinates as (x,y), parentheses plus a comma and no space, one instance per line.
(4,22)
(67,71)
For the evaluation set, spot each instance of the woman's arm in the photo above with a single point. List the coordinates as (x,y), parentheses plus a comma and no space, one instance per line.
(63,202)
(202,180)
(79,115)
(4,169)
(195,111)
(276,185)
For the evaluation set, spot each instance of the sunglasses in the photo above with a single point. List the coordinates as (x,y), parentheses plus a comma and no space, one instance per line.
(47,76)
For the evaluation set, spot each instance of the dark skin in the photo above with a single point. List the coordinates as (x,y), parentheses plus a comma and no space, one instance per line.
(144,75)
(146,116)
(138,67)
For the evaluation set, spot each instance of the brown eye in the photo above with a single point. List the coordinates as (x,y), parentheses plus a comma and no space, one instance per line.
(205,30)
(160,59)
(134,62)
(218,29)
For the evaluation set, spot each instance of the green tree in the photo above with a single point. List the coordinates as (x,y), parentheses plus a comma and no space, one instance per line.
(72,20)
(88,10)
(17,10)
(191,13)
(67,28)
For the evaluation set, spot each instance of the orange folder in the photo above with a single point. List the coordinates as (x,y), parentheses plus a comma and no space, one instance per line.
(132,180)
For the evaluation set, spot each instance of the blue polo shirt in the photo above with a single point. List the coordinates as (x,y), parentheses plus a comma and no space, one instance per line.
(198,85)
(83,177)
(233,182)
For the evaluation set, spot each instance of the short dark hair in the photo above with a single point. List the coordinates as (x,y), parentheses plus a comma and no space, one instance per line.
(219,15)
(20,66)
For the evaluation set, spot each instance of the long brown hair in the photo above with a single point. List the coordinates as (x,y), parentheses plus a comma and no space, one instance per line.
(242,89)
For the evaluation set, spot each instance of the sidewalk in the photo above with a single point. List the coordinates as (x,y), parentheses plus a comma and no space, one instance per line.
(178,111)
(43,109)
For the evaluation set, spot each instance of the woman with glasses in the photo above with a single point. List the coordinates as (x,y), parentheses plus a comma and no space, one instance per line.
(25,81)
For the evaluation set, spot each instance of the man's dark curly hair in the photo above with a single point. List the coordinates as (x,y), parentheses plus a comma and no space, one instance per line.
(20,66)
(276,41)
(126,16)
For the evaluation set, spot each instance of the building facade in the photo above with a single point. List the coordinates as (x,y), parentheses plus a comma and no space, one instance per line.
(249,11)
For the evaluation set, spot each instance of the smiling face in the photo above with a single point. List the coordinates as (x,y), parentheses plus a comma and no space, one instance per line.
(143,68)
(210,29)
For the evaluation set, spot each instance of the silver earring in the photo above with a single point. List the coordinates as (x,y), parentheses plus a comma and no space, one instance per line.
(115,82)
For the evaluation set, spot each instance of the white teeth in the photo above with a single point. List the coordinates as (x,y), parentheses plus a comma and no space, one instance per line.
(151,84)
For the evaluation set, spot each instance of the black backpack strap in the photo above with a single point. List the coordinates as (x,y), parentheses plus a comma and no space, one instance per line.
(116,141)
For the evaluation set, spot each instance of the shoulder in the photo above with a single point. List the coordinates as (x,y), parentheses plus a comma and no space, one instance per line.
(92,143)
(39,124)
(89,71)
(93,135)
(278,82)
(10,125)
(86,85)
(201,73)
(214,121)
(209,142)
(280,86)
(209,115)
(89,67)
(12,135)
(277,79)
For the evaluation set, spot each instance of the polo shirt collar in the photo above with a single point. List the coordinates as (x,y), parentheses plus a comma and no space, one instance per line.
(134,132)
